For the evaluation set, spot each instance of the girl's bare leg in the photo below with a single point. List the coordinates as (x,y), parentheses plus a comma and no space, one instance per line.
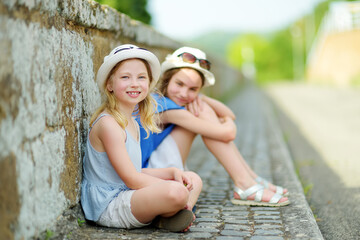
(272,187)
(195,192)
(184,140)
(165,198)
(229,156)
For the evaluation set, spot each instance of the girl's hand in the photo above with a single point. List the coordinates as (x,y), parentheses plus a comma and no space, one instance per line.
(181,177)
(227,121)
(195,106)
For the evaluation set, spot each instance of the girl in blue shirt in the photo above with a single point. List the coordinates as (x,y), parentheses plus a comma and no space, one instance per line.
(184,113)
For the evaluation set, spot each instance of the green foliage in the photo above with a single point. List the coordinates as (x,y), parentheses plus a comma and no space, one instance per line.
(49,234)
(136,9)
(272,55)
(80,222)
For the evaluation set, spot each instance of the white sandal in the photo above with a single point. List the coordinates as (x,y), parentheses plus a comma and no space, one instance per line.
(259,190)
(265,183)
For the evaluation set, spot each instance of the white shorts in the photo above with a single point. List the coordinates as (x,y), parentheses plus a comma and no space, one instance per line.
(166,155)
(118,213)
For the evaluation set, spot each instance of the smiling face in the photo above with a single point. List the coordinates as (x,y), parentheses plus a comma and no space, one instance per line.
(184,86)
(129,82)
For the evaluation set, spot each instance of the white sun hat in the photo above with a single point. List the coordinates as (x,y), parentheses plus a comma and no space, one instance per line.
(123,52)
(176,61)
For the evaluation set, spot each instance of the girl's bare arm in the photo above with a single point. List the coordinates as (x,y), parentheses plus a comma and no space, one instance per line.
(171,173)
(113,137)
(223,131)
(220,108)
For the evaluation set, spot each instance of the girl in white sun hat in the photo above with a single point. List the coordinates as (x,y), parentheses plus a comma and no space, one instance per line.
(115,191)
(184,113)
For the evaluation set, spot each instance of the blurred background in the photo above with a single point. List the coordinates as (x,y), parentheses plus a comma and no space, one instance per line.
(268,41)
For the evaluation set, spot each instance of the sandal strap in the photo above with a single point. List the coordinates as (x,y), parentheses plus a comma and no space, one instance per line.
(262,181)
(276,198)
(279,190)
(265,183)
(257,188)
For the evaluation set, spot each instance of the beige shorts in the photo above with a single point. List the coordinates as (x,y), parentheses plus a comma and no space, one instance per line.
(166,155)
(118,213)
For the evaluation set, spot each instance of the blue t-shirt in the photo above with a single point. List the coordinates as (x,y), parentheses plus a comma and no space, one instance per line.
(148,145)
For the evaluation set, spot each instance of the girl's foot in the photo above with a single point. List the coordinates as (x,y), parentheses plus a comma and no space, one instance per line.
(276,189)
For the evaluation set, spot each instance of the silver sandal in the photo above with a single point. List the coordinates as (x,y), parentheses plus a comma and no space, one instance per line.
(259,190)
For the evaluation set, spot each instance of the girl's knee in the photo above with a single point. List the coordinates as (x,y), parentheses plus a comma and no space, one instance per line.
(197,181)
(177,194)
(207,113)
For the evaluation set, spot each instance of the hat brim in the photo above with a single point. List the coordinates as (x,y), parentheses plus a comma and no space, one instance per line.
(110,62)
(172,63)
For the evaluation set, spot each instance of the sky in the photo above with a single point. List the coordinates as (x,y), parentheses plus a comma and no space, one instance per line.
(186,19)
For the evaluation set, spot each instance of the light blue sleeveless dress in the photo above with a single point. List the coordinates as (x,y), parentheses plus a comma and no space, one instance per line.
(100,183)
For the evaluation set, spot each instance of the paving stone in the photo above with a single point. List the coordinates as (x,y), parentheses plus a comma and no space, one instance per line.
(266,238)
(204,215)
(269,212)
(204,229)
(265,209)
(200,219)
(235,233)
(271,217)
(235,212)
(236,221)
(208,224)
(235,208)
(236,217)
(260,221)
(237,227)
(194,235)
(229,238)
(267,226)
(268,232)
(209,210)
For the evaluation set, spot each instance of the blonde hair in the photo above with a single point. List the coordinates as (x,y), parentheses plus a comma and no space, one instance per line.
(145,109)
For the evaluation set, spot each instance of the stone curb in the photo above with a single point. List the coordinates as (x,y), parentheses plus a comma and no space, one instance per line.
(299,217)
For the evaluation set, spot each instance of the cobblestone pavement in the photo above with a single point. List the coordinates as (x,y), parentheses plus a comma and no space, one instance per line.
(217,218)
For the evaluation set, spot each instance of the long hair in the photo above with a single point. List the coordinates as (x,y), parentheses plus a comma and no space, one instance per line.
(145,109)
(166,76)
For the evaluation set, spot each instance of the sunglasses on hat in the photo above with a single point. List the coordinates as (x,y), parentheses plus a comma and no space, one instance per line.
(190,58)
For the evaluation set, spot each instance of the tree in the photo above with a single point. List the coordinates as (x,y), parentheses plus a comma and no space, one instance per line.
(136,9)
(272,55)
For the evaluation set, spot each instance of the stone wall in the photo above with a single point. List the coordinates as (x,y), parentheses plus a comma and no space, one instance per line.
(50,52)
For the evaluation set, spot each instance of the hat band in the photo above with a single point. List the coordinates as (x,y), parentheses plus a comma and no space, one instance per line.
(129,48)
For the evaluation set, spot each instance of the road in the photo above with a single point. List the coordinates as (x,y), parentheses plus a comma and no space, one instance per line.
(321,125)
